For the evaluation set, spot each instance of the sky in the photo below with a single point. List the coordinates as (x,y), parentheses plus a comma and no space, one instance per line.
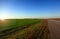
(30,8)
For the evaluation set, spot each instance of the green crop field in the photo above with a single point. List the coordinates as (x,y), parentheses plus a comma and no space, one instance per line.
(23,29)
(13,23)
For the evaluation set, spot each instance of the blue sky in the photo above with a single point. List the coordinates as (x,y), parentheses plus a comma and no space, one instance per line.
(30,8)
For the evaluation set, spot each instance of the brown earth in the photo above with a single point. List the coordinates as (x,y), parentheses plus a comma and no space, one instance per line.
(58,19)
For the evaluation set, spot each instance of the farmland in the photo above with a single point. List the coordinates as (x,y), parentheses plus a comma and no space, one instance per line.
(24,29)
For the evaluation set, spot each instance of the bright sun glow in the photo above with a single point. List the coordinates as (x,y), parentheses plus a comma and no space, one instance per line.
(3,17)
